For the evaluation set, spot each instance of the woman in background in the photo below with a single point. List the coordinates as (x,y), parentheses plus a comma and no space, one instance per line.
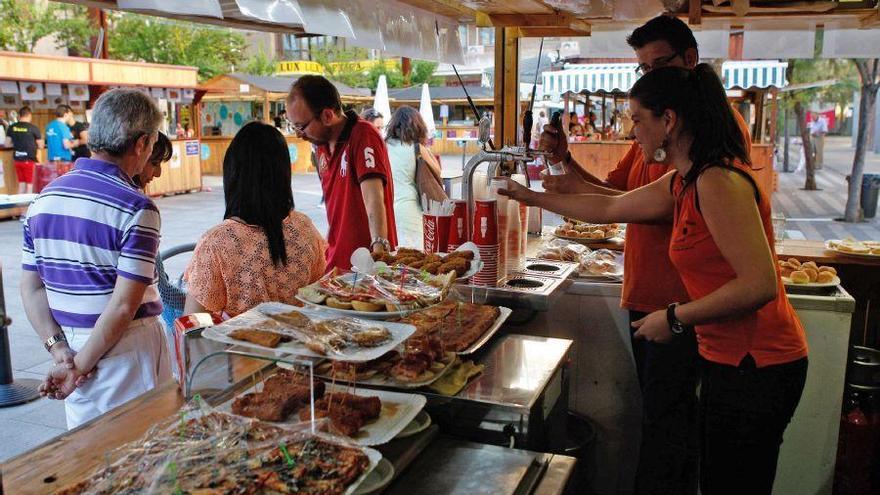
(407,137)
(374,117)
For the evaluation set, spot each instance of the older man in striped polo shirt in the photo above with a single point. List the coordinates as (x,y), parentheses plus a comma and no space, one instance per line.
(89,279)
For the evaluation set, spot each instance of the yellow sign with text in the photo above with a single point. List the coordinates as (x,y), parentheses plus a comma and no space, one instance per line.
(299,67)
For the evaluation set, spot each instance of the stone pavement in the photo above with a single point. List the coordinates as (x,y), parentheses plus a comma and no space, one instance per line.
(186,217)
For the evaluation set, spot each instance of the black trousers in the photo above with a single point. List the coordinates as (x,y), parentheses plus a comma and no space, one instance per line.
(669,454)
(744,411)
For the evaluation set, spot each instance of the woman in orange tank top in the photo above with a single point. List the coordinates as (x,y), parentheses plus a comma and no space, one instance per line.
(752,346)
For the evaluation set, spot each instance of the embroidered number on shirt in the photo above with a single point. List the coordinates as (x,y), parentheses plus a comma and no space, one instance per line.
(368,157)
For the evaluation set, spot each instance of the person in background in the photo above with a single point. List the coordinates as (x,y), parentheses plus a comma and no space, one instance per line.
(353,167)
(818,130)
(374,117)
(162,152)
(407,139)
(59,139)
(80,131)
(667,372)
(538,128)
(277,250)
(752,347)
(25,139)
(575,129)
(280,120)
(106,318)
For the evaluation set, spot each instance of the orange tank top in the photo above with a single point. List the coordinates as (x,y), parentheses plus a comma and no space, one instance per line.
(772,334)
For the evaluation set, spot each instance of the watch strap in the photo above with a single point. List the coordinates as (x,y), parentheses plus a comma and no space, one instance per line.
(51,341)
(675,325)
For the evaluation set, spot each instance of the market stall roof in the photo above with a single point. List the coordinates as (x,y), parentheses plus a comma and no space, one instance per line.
(96,72)
(404,27)
(241,86)
(597,78)
(441,94)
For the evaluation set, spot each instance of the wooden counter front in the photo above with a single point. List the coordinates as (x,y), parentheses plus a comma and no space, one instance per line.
(183,173)
(214,150)
(601,157)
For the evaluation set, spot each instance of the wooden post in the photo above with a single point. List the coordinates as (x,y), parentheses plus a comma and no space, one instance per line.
(565,111)
(758,101)
(406,68)
(774,115)
(506,86)
(266,112)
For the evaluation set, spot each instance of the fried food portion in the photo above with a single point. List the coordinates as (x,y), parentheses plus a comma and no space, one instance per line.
(259,337)
(282,394)
(348,413)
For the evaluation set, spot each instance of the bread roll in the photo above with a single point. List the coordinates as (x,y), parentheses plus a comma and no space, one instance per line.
(825,278)
(794,262)
(799,277)
(337,304)
(810,273)
(367,306)
(811,264)
(829,269)
(786,271)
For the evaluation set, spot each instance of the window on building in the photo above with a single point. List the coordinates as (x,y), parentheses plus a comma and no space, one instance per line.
(487,36)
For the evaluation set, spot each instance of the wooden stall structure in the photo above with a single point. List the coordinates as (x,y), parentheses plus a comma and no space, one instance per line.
(81,81)
(232,100)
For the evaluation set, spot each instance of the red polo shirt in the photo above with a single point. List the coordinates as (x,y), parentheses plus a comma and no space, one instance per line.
(360,154)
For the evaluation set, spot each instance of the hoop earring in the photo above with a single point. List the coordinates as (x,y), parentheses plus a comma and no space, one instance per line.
(660,153)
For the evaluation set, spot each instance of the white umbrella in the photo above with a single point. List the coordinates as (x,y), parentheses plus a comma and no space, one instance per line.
(381,103)
(426,110)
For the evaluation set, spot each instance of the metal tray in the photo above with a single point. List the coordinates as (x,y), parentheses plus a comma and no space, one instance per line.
(488,334)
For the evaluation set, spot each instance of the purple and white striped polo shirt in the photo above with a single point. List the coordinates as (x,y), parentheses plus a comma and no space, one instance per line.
(86,228)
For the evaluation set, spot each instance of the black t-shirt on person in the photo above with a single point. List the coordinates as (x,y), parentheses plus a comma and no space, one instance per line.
(81,151)
(24,141)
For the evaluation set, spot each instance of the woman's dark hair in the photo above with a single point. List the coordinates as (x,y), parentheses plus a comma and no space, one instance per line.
(698,99)
(664,28)
(162,150)
(406,126)
(371,114)
(256,183)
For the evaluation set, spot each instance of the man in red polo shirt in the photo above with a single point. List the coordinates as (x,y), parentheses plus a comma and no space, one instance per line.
(353,165)
(667,371)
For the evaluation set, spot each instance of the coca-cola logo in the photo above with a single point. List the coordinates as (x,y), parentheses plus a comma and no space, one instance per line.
(430,229)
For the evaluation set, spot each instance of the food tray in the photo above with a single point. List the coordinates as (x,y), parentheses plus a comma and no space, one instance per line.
(812,285)
(387,381)
(502,317)
(219,333)
(378,478)
(398,411)
(831,246)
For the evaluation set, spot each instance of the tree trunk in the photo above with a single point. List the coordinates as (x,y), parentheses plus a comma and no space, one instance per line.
(810,183)
(868,75)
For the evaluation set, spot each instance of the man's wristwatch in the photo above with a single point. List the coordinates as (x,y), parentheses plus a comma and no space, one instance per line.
(51,341)
(675,324)
(381,240)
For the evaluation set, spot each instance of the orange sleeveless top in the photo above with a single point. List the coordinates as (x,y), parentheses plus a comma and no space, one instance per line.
(772,334)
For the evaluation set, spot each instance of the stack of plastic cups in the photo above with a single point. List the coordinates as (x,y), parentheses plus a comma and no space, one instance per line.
(503,222)
(458,230)
(485,236)
(523,220)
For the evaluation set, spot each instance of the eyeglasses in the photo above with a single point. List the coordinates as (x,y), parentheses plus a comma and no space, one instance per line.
(301,128)
(643,69)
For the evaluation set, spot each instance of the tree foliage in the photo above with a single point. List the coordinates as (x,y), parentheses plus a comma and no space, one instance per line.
(25,22)
(149,39)
(342,65)
(260,64)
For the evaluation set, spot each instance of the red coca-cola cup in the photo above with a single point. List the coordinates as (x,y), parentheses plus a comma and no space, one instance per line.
(436,233)
(458,228)
(485,236)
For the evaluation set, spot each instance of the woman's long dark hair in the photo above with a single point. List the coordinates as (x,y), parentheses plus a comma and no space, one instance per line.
(407,126)
(256,183)
(698,99)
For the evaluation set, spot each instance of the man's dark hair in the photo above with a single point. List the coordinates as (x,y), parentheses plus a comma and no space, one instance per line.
(407,126)
(370,114)
(318,92)
(162,150)
(60,110)
(256,183)
(282,112)
(666,28)
(24,112)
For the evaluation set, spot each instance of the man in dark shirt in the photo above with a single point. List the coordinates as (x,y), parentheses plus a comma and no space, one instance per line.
(80,131)
(25,139)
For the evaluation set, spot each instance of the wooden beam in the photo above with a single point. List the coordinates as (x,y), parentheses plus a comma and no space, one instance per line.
(695,12)
(561,19)
(506,86)
(544,32)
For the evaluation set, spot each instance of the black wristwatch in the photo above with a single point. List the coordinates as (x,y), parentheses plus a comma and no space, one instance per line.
(675,324)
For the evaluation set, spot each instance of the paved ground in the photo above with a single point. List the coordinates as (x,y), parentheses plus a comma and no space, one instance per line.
(186,217)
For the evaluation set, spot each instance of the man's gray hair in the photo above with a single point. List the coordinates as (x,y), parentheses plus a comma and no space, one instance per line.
(119,118)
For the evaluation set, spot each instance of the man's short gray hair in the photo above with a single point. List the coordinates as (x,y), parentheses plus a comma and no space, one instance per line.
(119,118)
